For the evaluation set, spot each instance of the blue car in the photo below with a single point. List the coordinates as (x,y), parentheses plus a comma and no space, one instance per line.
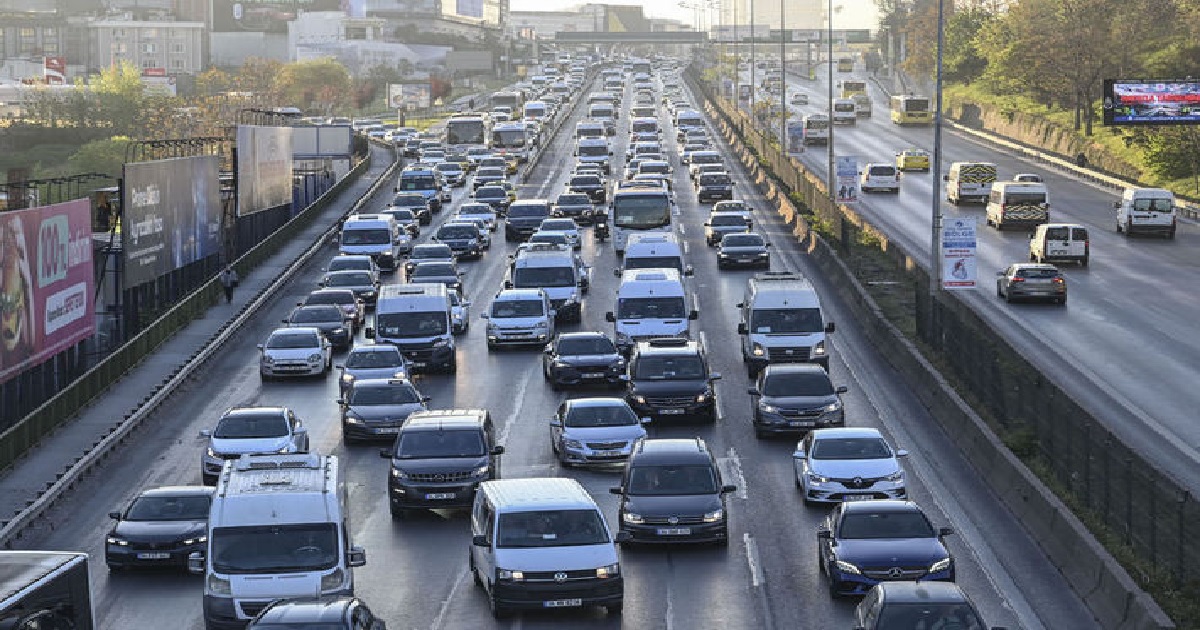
(863,543)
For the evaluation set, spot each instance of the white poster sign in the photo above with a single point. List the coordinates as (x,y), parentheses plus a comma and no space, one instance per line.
(847,179)
(958,254)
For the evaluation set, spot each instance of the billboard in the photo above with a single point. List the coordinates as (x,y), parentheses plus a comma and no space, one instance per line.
(481,11)
(264,168)
(46,283)
(55,70)
(321,140)
(265,16)
(172,215)
(847,179)
(958,254)
(408,96)
(1150,102)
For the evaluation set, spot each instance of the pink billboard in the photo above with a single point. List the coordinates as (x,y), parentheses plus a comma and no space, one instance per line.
(46,283)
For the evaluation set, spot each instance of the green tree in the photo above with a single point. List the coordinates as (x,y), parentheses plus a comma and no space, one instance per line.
(320,86)
(100,156)
(963,61)
(119,96)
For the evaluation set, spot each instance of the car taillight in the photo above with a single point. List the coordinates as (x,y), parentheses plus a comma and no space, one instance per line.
(1059,280)
(1018,279)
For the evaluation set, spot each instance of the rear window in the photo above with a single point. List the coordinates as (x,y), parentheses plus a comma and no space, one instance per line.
(715,180)
(1038,273)
(1079,234)
(1058,233)
(886,171)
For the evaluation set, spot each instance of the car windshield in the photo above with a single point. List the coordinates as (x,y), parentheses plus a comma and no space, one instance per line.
(850,448)
(585,346)
(449,167)
(419,324)
(670,368)
(398,394)
(424,182)
(169,508)
(516,308)
(672,480)
(348,263)
(715,180)
(401,215)
(727,219)
(243,426)
(547,237)
(565,225)
(433,269)
(786,321)
(1038,273)
(551,528)
(494,192)
(651,308)
(585,180)
(883,171)
(316,314)
(660,169)
(593,151)
(706,158)
(814,383)
(330,297)
(1025,199)
(274,548)
(344,279)
(600,416)
(293,340)
(429,444)
(573,200)
(374,359)
(524,210)
(535,277)
(946,616)
(476,210)
(457,231)
(742,240)
(490,171)
(1154,205)
(440,251)
(654,262)
(885,524)
(366,236)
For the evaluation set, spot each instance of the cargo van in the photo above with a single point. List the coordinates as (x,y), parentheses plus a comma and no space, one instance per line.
(536,110)
(555,272)
(376,235)
(279,527)
(845,111)
(590,129)
(816,129)
(1023,204)
(1060,242)
(1148,211)
(651,303)
(657,250)
(969,181)
(541,543)
(781,322)
(417,319)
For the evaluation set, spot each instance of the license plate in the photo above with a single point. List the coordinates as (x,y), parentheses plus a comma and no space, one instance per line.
(388,430)
(418,364)
(157,555)
(745,260)
(800,423)
(671,412)
(593,375)
(674,531)
(563,603)
(439,496)
(609,453)
(1058,252)
(857,497)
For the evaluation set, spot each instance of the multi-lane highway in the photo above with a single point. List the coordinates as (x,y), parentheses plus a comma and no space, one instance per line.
(1125,346)
(416,573)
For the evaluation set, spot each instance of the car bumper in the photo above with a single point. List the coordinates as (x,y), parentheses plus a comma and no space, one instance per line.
(834,492)
(368,431)
(856,584)
(583,375)
(675,534)
(714,195)
(517,339)
(744,261)
(305,370)
(775,423)
(123,556)
(427,359)
(430,496)
(532,596)
(690,410)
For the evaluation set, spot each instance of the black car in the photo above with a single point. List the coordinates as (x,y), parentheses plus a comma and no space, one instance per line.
(439,459)
(671,492)
(576,206)
(364,284)
(863,543)
(796,398)
(329,319)
(590,185)
(669,378)
(428,252)
(494,196)
(446,273)
(415,203)
(580,358)
(904,604)
(714,187)
(524,218)
(463,239)
(160,528)
(743,250)
(337,613)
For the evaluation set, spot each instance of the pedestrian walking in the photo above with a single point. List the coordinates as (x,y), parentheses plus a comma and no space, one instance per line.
(229,280)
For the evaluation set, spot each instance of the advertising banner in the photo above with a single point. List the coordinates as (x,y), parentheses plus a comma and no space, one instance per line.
(847,179)
(264,16)
(264,168)
(1151,102)
(55,72)
(409,96)
(46,283)
(172,215)
(958,254)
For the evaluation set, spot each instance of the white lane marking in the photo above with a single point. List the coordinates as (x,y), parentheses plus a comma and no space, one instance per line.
(685,248)
(439,621)
(682,228)
(670,605)
(512,418)
(735,464)
(757,578)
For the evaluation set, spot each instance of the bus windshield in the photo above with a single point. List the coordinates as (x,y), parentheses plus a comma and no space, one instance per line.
(916,105)
(641,211)
(420,182)
(508,138)
(465,131)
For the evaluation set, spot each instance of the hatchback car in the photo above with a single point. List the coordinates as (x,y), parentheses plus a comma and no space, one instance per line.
(337,613)
(353,262)
(795,397)
(903,605)
(722,222)
(580,358)
(488,175)
(863,543)
(428,252)
(671,492)
(587,431)
(377,408)
(363,283)
(878,176)
(446,273)
(590,185)
(249,431)
(372,361)
(575,206)
(328,318)
(161,527)
(295,352)
(848,464)
(1031,281)
(494,196)
(743,250)
(353,308)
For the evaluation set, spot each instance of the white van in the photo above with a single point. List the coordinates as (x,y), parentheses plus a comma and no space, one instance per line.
(520,317)
(816,129)
(1146,210)
(555,272)
(656,250)
(845,111)
(1060,242)
(376,235)
(536,110)
(651,303)
(278,528)
(1024,204)
(969,181)
(543,543)
(781,322)
(417,318)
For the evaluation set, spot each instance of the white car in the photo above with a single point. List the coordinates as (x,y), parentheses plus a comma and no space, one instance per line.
(460,313)
(246,430)
(566,225)
(880,176)
(300,351)
(474,210)
(848,464)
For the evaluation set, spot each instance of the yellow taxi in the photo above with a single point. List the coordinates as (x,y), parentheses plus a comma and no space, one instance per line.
(912,160)
(511,188)
(510,165)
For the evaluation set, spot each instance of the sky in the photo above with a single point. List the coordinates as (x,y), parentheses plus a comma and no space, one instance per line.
(854,14)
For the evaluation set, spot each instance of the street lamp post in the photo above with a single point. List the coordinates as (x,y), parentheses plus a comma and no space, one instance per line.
(753,37)
(935,267)
(832,176)
(783,112)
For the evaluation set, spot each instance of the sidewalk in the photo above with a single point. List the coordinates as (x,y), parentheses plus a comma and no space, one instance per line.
(26,480)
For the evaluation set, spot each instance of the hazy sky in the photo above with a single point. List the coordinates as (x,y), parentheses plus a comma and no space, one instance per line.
(854,13)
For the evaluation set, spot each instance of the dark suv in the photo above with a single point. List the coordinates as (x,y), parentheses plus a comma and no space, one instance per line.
(671,492)
(795,398)
(714,187)
(439,458)
(524,217)
(590,185)
(903,605)
(669,378)
(416,203)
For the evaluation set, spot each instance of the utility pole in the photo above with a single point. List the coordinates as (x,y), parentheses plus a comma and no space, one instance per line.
(832,175)
(935,263)
(753,37)
(783,112)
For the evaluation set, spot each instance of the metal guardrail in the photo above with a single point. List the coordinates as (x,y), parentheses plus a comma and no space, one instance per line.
(110,370)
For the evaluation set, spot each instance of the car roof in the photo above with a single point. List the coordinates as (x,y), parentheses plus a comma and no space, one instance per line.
(374,347)
(881,505)
(178,491)
(793,368)
(307,610)
(296,330)
(431,246)
(585,334)
(671,450)
(839,433)
(519,294)
(1025,265)
(921,592)
(685,348)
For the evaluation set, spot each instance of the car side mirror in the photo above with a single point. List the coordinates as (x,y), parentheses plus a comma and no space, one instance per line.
(369,332)
(824,534)
(830,327)
(623,537)
(901,453)
(259,346)
(616,490)
(1117,205)
(426,399)
(753,391)
(479,540)
(798,454)
(728,488)
(555,422)
(610,317)
(497,450)
(356,556)
(116,516)
(741,328)
(689,271)
(693,314)
(945,531)
(508,284)
(715,376)
(618,271)
(205,433)
(842,389)
(945,178)
(284,320)
(483,316)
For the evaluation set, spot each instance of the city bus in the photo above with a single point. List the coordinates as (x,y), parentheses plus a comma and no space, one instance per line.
(911,110)
(847,88)
(845,64)
(514,100)
(641,66)
(512,139)
(639,209)
(468,131)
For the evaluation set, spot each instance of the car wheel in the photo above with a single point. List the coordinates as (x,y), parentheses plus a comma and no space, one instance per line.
(614,609)
(759,433)
(1118,227)
(1062,301)
(555,385)
(115,568)
(264,377)
(452,367)
(398,513)
(1128,228)
(1083,262)
(1170,233)
(999,293)
(833,589)
(475,574)
(498,612)
(1008,297)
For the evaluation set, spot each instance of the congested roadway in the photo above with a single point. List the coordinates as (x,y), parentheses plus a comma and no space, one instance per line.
(1125,346)
(416,573)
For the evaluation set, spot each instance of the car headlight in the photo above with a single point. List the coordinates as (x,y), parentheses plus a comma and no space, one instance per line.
(833,406)
(703,396)
(641,400)
(217,585)
(113,540)
(399,474)
(714,516)
(767,408)
(333,580)
(541,325)
(847,567)
(573,444)
(940,565)
(482,471)
(347,379)
(368,293)
(622,338)
(210,453)
(633,519)
(315,358)
(608,570)
(506,574)
(816,479)
(339,331)
(198,540)
(896,477)
(353,418)
(268,359)
(819,349)
(559,363)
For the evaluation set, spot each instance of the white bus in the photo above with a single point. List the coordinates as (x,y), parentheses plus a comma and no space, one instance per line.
(512,139)
(468,131)
(639,209)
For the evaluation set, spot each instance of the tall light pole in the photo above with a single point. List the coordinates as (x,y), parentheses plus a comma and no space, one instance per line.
(829,69)
(782,79)
(753,36)
(935,266)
